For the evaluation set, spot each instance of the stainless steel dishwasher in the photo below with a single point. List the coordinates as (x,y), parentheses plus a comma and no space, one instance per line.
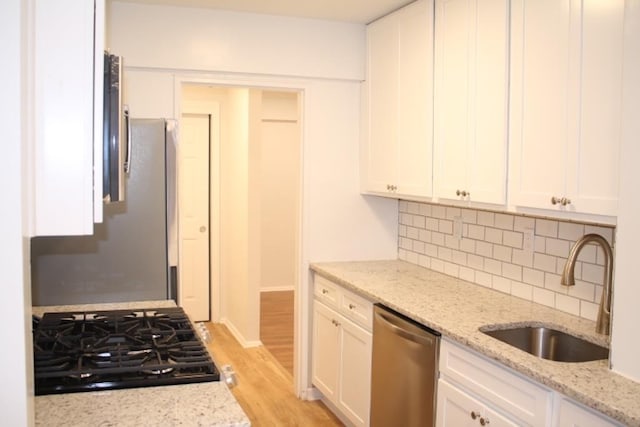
(404,371)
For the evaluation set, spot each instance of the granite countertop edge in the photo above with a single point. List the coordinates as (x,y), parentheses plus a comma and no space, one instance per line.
(426,296)
(197,404)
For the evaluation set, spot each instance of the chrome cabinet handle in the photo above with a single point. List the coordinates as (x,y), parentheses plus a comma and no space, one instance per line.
(560,201)
(474,415)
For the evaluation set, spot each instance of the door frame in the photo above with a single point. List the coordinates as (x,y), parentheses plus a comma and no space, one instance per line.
(302,289)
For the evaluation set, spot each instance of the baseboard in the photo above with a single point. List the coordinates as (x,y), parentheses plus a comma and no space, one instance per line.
(277,289)
(238,336)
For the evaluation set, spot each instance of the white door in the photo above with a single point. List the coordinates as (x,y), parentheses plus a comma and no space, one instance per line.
(193,214)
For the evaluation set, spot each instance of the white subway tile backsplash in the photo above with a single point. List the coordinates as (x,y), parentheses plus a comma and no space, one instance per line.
(502,253)
(544,262)
(504,221)
(493,235)
(445,226)
(501,284)
(521,223)
(522,290)
(492,253)
(570,231)
(557,247)
(492,266)
(469,216)
(476,232)
(512,271)
(544,297)
(486,218)
(589,310)
(513,239)
(547,228)
(568,304)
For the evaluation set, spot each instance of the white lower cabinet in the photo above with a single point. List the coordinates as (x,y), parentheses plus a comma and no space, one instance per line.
(341,355)
(571,414)
(458,408)
(476,391)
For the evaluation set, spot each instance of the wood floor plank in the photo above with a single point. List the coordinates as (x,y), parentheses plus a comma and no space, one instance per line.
(276,325)
(265,387)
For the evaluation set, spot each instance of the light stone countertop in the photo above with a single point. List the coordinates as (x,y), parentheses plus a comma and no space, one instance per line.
(457,309)
(200,404)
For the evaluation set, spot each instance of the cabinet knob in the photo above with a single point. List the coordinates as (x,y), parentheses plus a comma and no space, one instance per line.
(484,421)
(324,292)
(391,187)
(203,229)
(335,322)
(352,306)
(462,193)
(474,415)
(560,201)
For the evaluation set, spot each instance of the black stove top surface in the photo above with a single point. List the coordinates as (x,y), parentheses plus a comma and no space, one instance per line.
(102,350)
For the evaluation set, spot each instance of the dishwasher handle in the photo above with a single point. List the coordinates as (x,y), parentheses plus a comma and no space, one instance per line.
(391,323)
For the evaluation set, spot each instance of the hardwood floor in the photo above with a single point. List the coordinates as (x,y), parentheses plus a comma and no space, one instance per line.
(265,388)
(276,326)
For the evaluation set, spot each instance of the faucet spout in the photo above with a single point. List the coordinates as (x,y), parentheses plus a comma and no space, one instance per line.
(603,322)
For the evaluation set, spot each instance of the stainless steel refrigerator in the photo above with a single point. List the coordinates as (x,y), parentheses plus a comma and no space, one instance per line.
(132,255)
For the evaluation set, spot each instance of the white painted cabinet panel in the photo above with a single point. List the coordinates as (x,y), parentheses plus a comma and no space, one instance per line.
(341,349)
(398,99)
(571,414)
(68,47)
(471,98)
(458,408)
(566,73)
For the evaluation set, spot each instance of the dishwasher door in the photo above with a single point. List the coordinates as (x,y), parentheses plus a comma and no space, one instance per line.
(404,371)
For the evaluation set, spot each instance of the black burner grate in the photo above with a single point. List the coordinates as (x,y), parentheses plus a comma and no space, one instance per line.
(101,350)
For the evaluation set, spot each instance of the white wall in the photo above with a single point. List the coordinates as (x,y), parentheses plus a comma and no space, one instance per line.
(16,391)
(626,298)
(207,40)
(279,143)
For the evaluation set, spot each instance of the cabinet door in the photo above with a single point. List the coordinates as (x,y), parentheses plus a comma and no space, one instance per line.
(398,98)
(415,99)
(326,350)
(457,408)
(570,414)
(544,40)
(380,156)
(355,372)
(64,141)
(470,129)
(565,106)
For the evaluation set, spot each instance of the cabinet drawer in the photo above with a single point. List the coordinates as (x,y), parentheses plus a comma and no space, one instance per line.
(357,309)
(326,291)
(495,385)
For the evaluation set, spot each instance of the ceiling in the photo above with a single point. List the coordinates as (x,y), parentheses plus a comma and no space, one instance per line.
(356,11)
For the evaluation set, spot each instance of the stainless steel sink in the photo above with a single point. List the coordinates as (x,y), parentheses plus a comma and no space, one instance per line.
(550,344)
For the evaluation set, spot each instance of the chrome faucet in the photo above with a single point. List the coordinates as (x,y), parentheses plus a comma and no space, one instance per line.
(604,313)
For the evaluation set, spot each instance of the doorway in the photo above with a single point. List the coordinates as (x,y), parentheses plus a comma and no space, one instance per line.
(257,213)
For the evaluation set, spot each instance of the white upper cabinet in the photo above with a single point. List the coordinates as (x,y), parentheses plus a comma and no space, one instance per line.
(566,71)
(398,103)
(471,94)
(67,92)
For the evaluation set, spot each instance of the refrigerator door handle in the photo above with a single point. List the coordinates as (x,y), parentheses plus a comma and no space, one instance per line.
(127,161)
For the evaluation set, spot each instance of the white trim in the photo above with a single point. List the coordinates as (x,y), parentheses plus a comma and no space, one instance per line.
(277,289)
(302,298)
(238,336)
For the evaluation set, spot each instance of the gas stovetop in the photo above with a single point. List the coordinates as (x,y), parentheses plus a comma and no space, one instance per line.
(102,350)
